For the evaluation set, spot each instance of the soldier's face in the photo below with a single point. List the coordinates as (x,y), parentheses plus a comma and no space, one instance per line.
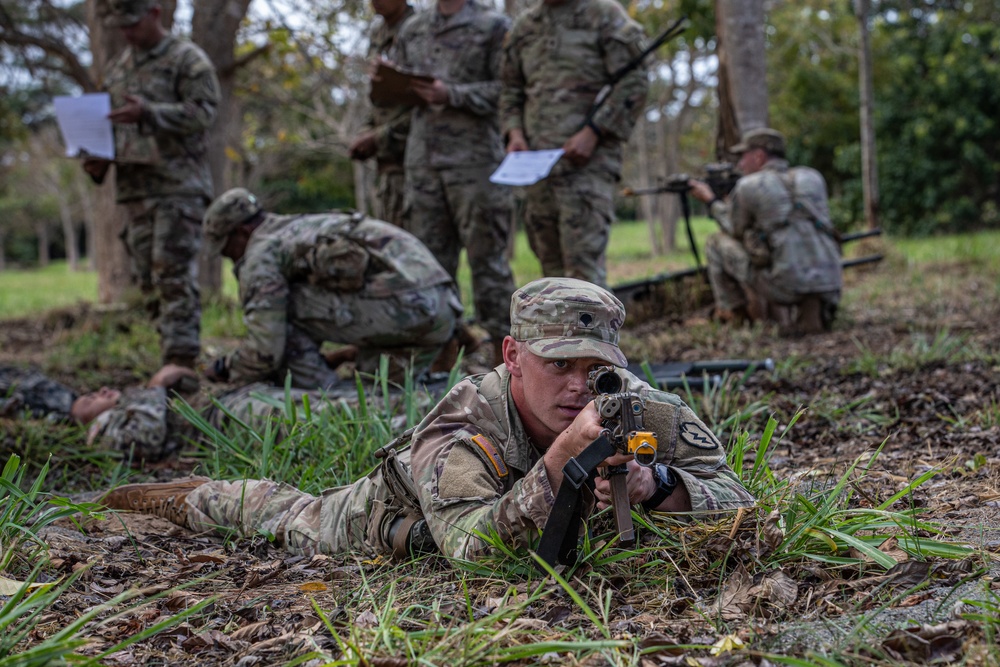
(548,393)
(144,34)
(752,160)
(89,406)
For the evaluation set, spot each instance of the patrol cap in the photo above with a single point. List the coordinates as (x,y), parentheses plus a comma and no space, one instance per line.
(122,13)
(770,140)
(229,211)
(566,318)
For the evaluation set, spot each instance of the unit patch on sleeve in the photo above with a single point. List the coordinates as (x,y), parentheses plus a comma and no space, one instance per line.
(491,452)
(697,435)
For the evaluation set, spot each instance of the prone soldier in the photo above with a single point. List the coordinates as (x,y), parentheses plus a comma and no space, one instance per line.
(488,458)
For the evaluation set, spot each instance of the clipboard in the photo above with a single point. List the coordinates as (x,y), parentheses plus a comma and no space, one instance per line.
(393,87)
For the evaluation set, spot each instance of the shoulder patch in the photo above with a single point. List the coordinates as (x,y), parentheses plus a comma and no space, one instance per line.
(697,435)
(491,452)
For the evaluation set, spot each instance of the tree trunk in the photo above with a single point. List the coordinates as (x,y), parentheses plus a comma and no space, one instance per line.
(42,234)
(69,231)
(110,256)
(869,167)
(87,209)
(647,202)
(214,25)
(742,70)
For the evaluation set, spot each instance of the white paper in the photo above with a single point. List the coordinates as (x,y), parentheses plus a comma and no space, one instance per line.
(526,167)
(84,124)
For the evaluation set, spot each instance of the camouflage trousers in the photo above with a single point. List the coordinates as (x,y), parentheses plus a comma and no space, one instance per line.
(354,518)
(451,209)
(568,221)
(163,237)
(729,271)
(411,328)
(389,189)
(731,274)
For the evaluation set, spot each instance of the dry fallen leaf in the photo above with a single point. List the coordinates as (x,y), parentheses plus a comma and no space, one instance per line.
(10,587)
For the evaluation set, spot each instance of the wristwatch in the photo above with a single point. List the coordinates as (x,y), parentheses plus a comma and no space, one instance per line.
(666,482)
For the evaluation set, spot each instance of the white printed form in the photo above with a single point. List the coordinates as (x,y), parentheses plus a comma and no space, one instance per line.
(83,121)
(526,167)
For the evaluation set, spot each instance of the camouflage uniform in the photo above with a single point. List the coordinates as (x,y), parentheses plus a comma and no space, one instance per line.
(166,198)
(146,424)
(472,467)
(390,124)
(452,150)
(776,239)
(557,58)
(337,277)
(28,390)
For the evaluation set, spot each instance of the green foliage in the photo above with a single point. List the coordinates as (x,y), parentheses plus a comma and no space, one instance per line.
(937,127)
(23,512)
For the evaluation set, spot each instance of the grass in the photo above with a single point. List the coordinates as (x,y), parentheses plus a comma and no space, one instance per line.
(500,609)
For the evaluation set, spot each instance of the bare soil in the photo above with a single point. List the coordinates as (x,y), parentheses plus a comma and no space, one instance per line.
(913,372)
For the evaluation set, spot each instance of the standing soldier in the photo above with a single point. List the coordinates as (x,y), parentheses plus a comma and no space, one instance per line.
(454,146)
(386,127)
(558,56)
(164,95)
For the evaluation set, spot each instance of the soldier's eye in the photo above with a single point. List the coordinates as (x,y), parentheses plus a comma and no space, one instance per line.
(560,363)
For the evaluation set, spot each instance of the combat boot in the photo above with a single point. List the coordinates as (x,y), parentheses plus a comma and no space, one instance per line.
(809,318)
(410,536)
(167,500)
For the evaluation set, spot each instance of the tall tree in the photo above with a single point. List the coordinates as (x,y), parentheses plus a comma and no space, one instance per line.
(743,69)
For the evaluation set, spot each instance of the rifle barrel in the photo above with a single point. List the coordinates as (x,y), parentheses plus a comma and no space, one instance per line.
(847,238)
(859,261)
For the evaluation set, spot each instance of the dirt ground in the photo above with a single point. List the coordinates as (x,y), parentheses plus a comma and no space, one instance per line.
(916,371)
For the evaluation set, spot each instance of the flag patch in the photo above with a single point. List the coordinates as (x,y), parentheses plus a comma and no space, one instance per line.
(491,452)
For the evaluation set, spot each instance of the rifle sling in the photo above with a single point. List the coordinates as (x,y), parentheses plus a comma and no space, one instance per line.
(562,529)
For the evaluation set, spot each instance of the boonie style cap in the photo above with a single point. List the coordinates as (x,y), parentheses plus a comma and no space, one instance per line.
(229,211)
(566,318)
(122,13)
(762,137)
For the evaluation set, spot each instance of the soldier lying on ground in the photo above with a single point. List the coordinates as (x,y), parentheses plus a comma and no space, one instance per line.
(140,422)
(489,457)
(338,277)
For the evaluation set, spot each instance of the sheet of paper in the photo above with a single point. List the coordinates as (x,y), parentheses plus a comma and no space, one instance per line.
(526,167)
(84,124)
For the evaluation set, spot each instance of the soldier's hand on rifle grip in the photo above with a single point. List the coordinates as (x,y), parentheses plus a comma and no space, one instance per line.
(701,191)
(639,481)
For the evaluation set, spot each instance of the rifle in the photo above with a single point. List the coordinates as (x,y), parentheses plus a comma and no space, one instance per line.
(621,416)
(676,28)
(639,290)
(720,176)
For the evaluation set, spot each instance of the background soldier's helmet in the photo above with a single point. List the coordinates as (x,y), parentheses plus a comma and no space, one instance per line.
(770,140)
(229,211)
(127,12)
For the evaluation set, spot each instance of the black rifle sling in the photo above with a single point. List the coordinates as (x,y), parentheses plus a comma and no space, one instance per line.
(562,529)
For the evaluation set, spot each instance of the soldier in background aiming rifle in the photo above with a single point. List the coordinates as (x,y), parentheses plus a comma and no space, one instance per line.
(778,255)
